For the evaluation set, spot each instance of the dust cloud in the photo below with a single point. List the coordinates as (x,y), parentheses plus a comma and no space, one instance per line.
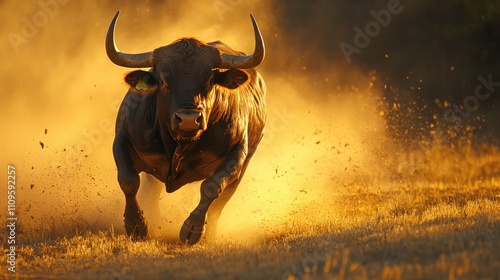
(61,94)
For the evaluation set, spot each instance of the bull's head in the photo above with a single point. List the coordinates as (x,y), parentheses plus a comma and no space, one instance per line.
(184,75)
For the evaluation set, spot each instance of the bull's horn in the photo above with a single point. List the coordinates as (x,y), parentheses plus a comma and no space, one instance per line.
(125,59)
(246,61)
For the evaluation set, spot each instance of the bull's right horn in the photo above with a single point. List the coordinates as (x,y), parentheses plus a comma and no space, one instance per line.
(125,59)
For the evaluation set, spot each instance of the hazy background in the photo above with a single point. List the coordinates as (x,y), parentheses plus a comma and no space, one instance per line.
(333,126)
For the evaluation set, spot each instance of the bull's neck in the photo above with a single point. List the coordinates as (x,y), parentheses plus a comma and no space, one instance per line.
(161,125)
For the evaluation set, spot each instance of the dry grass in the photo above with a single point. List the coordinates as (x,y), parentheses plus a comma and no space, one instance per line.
(411,230)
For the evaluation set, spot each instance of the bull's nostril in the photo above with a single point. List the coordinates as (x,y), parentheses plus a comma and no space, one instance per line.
(199,119)
(188,120)
(178,118)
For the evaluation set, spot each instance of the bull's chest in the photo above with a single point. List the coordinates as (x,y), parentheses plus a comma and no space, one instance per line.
(196,162)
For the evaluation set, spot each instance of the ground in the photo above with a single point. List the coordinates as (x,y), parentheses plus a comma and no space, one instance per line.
(415,231)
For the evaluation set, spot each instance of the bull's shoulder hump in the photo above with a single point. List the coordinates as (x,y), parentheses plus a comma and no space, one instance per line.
(221,46)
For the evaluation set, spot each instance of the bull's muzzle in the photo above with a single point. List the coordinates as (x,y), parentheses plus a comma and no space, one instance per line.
(189,119)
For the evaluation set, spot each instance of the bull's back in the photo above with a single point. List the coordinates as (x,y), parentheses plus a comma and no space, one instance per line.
(258,116)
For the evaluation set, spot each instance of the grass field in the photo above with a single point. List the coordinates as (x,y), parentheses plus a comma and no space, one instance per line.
(420,225)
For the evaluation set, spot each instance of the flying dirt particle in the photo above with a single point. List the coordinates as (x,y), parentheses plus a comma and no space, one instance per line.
(46,131)
(32,167)
(317,142)
(42,145)
(303,190)
(64,150)
(32,186)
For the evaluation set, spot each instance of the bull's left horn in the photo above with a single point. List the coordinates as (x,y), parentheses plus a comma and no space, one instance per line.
(125,59)
(246,61)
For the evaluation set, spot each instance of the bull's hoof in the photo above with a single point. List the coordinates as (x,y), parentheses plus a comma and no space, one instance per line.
(136,226)
(192,230)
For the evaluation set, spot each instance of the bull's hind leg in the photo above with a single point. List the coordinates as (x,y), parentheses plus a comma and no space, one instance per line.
(128,178)
(215,209)
(150,191)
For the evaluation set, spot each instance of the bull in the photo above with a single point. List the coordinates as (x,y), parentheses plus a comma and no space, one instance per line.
(197,114)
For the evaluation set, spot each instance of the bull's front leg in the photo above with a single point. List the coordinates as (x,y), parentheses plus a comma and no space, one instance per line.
(128,178)
(229,171)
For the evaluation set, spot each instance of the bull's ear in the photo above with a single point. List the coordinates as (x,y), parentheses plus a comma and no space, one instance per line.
(231,78)
(141,82)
